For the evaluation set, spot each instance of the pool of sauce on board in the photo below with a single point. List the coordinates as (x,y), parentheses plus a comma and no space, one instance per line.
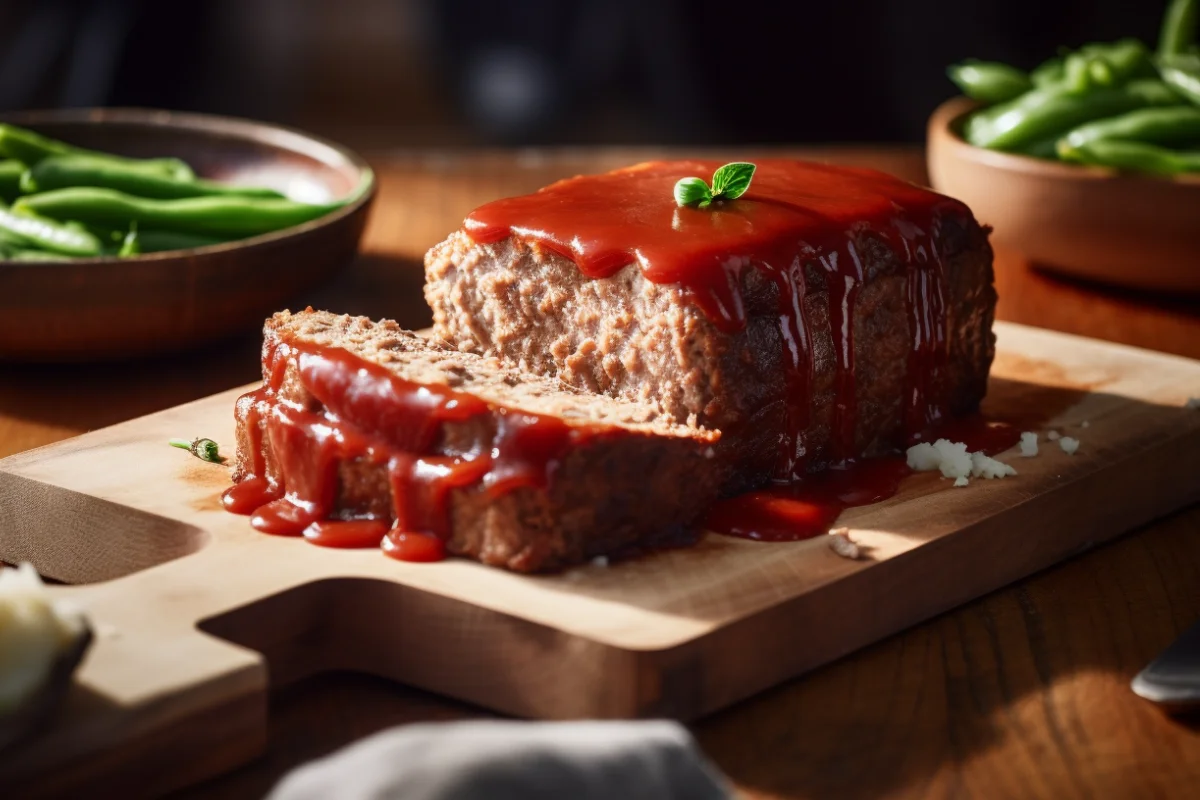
(794,214)
(807,508)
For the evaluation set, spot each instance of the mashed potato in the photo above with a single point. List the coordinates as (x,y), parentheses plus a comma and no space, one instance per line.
(34,630)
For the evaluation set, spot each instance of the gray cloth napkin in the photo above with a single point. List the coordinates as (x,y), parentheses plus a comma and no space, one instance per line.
(502,760)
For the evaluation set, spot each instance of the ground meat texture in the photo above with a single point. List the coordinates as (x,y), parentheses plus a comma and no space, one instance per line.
(639,480)
(627,337)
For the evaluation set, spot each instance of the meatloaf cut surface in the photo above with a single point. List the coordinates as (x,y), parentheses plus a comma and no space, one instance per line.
(516,290)
(364,420)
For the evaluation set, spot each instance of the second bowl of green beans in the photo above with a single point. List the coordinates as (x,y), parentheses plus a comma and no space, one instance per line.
(1115,104)
(1088,164)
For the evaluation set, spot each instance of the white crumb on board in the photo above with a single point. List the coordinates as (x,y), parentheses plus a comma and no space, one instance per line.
(953,460)
(923,457)
(1069,445)
(1053,436)
(961,481)
(1029,447)
(841,543)
(1085,424)
(984,466)
(600,561)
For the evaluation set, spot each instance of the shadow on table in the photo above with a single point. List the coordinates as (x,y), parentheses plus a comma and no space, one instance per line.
(1014,694)
(313,717)
(1021,693)
(80,397)
(1167,322)
(1013,674)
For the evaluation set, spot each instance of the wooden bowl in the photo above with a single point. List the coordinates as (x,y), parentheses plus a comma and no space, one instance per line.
(104,308)
(1089,222)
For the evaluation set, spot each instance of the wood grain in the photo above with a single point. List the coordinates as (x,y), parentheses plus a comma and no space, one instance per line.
(679,633)
(940,710)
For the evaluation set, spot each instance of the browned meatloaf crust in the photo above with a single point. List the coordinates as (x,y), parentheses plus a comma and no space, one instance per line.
(639,483)
(631,338)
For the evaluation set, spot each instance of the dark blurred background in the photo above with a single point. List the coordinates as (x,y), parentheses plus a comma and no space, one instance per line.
(382,73)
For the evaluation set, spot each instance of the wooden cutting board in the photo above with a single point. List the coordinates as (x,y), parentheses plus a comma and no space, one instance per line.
(196,614)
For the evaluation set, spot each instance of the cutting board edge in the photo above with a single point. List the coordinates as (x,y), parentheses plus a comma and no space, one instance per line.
(963,543)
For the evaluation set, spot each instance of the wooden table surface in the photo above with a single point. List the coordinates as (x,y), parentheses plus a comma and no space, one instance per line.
(1022,693)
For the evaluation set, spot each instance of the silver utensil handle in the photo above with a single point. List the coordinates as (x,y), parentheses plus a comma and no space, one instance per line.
(1173,679)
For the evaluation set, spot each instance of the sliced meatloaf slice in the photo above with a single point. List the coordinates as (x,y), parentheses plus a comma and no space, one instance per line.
(628,337)
(364,420)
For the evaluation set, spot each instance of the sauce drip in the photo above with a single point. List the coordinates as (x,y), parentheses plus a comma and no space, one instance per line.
(795,214)
(296,494)
(808,508)
(350,533)
(797,220)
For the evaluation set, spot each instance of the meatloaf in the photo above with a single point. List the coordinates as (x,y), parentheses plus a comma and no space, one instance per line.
(914,266)
(364,420)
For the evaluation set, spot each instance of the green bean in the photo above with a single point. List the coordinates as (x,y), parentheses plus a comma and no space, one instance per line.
(1052,111)
(1082,73)
(60,172)
(1042,148)
(26,254)
(1048,73)
(1175,125)
(153,241)
(32,230)
(25,145)
(218,216)
(1101,72)
(1182,73)
(130,245)
(1179,27)
(11,239)
(10,251)
(1128,59)
(989,81)
(1096,64)
(1131,156)
(10,179)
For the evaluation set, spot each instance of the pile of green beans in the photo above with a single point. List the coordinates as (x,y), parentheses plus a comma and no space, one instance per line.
(1114,104)
(59,202)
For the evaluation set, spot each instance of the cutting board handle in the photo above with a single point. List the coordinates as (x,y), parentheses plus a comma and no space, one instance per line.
(154,687)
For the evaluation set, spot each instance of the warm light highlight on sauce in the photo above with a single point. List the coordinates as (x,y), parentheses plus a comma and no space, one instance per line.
(795,213)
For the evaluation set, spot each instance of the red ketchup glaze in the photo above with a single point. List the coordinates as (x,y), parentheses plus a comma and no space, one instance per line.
(248,496)
(806,508)
(795,213)
(421,547)
(296,494)
(351,533)
(803,509)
